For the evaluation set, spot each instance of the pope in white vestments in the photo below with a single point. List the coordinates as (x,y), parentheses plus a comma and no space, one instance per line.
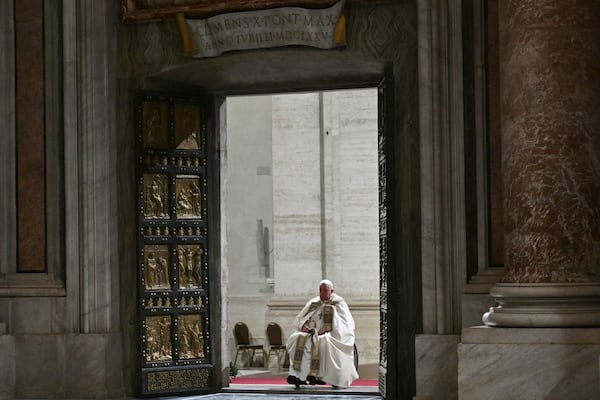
(321,346)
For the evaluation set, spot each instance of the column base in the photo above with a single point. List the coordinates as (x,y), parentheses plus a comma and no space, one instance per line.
(544,305)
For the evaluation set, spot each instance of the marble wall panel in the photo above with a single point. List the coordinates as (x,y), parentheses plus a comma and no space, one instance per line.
(34,351)
(31,315)
(528,371)
(92,356)
(436,366)
(5,312)
(73,366)
(86,355)
(7,366)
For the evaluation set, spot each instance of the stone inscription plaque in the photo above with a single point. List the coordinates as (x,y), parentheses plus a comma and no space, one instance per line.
(276,27)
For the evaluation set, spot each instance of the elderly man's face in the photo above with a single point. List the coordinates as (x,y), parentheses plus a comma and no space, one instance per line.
(325,292)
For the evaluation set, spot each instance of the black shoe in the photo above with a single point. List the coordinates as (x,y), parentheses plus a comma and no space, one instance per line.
(314,381)
(294,380)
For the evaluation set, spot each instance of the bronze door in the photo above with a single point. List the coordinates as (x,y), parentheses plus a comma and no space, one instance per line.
(385,142)
(175,271)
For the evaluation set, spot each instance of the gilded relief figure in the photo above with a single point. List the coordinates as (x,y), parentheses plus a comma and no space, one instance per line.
(156,197)
(189,263)
(191,337)
(158,338)
(187,126)
(157,267)
(189,197)
(154,124)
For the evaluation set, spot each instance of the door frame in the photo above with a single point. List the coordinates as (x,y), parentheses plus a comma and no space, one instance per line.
(386,131)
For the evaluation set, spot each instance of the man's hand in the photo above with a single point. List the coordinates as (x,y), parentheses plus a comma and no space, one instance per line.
(308,329)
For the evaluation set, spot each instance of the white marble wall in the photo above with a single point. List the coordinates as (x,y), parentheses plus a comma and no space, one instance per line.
(529,363)
(248,198)
(297,218)
(325,193)
(351,197)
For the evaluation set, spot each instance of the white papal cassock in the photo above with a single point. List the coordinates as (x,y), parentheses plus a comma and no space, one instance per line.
(330,356)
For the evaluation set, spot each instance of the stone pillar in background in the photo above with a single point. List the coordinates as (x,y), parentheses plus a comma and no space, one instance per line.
(550,112)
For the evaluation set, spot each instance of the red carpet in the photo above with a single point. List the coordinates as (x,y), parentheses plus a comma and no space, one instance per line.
(249,380)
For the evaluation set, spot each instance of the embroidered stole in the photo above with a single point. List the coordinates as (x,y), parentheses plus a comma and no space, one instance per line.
(328,318)
(315,353)
(315,359)
(299,353)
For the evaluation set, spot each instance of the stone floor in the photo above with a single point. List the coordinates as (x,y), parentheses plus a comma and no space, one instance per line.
(284,392)
(278,396)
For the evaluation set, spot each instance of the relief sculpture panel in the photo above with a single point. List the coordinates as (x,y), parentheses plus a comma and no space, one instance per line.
(157,267)
(189,265)
(187,126)
(191,336)
(155,124)
(189,197)
(156,196)
(158,338)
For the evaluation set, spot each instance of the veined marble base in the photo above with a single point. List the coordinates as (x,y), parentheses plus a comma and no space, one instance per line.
(436,366)
(529,363)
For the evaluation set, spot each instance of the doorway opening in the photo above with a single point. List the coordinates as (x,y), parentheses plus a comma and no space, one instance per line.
(299,203)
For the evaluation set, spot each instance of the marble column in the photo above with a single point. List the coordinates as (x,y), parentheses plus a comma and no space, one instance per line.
(550,112)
